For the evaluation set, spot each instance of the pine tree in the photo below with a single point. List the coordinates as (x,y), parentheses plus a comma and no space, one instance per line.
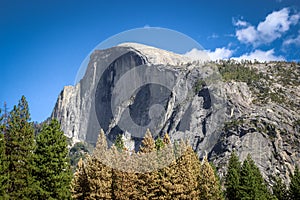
(148,143)
(101,148)
(99,173)
(119,143)
(3,177)
(164,152)
(99,179)
(232,180)
(294,190)
(167,172)
(148,186)
(79,187)
(52,167)
(188,170)
(252,185)
(124,179)
(159,144)
(247,187)
(166,139)
(178,178)
(218,179)
(3,163)
(280,190)
(208,184)
(19,146)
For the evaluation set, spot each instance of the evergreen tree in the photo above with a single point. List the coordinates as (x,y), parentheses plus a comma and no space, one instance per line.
(218,179)
(99,179)
(167,172)
(101,148)
(19,146)
(3,177)
(124,180)
(252,185)
(159,144)
(3,163)
(52,168)
(119,143)
(148,185)
(247,183)
(148,143)
(178,178)
(166,139)
(280,190)
(232,179)
(294,190)
(188,171)
(98,172)
(208,184)
(79,187)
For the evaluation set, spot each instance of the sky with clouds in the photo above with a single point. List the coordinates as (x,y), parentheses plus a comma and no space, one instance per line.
(275,37)
(43,43)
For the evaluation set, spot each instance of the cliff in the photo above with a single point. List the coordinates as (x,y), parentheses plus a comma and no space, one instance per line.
(217,106)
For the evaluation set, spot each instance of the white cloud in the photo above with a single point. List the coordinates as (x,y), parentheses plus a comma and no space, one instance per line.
(291,41)
(240,23)
(261,56)
(247,35)
(225,53)
(273,27)
(218,53)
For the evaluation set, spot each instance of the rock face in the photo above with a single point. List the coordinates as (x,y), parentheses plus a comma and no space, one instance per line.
(131,87)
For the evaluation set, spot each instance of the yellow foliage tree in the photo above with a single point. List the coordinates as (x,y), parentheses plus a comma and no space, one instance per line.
(79,187)
(209,186)
(98,172)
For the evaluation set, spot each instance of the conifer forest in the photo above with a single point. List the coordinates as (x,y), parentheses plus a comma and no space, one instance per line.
(35,163)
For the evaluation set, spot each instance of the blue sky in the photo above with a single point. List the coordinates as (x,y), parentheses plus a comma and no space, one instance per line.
(42,43)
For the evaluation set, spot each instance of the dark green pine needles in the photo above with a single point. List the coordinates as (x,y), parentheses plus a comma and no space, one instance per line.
(52,169)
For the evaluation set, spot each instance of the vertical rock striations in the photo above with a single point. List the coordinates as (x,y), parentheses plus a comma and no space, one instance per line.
(131,87)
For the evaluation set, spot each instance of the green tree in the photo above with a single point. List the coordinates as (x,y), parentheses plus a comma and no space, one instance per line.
(119,143)
(232,179)
(279,189)
(3,163)
(208,183)
(19,143)
(252,185)
(159,144)
(52,167)
(294,190)
(79,186)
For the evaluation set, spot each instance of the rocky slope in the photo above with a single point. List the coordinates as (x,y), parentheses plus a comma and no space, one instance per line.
(218,107)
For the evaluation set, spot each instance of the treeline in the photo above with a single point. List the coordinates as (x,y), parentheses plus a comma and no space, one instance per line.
(160,170)
(174,172)
(37,167)
(32,167)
